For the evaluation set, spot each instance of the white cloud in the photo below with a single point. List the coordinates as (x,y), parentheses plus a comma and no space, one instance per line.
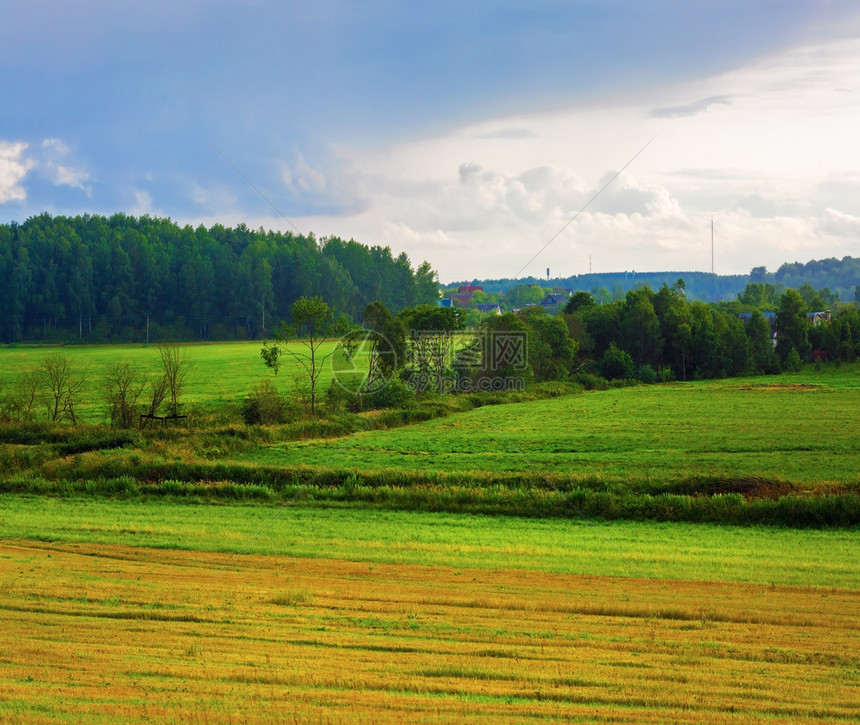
(67,176)
(142,204)
(301,177)
(56,145)
(512,134)
(55,167)
(771,151)
(690,109)
(836,224)
(13,168)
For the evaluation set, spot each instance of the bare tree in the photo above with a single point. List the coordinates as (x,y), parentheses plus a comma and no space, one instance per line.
(157,394)
(124,385)
(20,402)
(26,395)
(176,365)
(63,385)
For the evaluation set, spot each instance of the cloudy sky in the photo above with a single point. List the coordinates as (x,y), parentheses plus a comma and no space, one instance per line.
(467,133)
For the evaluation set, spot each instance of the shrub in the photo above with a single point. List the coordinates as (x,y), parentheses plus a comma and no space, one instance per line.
(616,364)
(266,406)
(343,395)
(793,362)
(647,374)
(590,381)
(666,375)
(396,394)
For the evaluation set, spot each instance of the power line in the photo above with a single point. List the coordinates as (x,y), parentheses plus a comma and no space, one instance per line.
(254,187)
(588,203)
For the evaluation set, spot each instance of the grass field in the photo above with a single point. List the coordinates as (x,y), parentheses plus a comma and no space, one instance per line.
(664,550)
(220,372)
(367,616)
(775,430)
(782,449)
(140,587)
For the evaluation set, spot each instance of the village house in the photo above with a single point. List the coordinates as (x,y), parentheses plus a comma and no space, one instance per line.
(556,298)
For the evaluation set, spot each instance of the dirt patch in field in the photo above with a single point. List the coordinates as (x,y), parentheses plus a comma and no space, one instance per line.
(780,387)
(759,487)
(749,486)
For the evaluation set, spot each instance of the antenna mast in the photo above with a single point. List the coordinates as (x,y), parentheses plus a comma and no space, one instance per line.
(712,244)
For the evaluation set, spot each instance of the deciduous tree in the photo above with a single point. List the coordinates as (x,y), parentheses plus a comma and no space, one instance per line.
(313,323)
(123,386)
(63,385)
(176,365)
(792,326)
(431,332)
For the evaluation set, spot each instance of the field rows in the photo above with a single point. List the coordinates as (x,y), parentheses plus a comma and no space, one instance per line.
(110,631)
(774,431)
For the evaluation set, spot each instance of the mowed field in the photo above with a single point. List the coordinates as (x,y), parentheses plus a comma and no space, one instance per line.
(778,429)
(160,606)
(104,620)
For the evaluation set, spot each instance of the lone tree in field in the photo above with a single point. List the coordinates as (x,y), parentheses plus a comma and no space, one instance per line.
(312,325)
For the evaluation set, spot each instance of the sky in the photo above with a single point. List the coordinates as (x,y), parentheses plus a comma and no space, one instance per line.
(492,139)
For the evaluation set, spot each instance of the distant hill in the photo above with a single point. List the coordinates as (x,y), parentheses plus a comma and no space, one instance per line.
(841,276)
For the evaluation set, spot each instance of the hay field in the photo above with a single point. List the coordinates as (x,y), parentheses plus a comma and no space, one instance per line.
(108,616)
(111,632)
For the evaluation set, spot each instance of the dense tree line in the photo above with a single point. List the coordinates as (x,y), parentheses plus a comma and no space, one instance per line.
(661,335)
(93,278)
(648,336)
(652,336)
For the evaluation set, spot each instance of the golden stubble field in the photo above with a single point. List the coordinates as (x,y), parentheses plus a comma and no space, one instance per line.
(96,632)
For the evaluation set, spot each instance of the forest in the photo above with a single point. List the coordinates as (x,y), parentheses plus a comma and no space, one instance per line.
(97,279)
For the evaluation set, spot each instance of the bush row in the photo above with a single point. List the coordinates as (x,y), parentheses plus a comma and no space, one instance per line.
(792,510)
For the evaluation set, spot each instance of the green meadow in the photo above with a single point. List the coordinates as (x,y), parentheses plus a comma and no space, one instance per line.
(780,430)
(649,550)
(221,373)
(769,449)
